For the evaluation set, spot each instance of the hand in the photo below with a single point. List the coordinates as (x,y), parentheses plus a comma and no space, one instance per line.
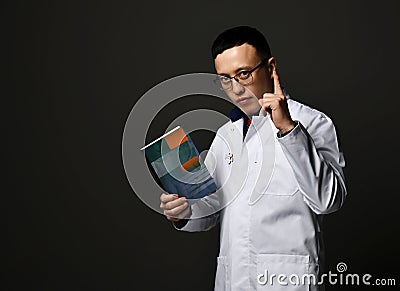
(276,104)
(175,208)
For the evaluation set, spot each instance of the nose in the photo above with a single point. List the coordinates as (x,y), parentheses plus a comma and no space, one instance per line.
(237,88)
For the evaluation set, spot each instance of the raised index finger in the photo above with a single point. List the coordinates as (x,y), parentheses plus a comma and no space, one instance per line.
(277,84)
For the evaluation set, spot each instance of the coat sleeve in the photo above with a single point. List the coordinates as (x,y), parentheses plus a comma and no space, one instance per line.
(207,204)
(313,153)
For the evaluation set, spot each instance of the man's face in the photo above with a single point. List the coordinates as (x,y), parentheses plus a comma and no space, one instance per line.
(244,58)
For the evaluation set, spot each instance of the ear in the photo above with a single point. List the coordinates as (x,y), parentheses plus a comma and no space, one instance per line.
(271,66)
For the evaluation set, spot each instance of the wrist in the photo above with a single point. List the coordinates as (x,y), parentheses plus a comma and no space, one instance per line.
(286,129)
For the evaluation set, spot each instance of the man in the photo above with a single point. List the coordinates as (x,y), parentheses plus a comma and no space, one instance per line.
(278,232)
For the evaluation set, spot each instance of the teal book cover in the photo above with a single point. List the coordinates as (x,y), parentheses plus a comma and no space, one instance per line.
(177,165)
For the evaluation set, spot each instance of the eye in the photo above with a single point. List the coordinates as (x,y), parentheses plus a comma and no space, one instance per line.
(244,75)
(224,79)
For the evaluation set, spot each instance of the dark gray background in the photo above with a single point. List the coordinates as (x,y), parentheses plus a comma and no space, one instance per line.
(74,69)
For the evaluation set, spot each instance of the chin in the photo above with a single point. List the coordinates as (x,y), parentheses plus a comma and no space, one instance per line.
(250,109)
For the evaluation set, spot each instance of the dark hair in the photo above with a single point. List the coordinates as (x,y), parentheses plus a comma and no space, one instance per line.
(239,35)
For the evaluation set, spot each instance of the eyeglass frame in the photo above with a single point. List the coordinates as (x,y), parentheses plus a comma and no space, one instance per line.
(218,79)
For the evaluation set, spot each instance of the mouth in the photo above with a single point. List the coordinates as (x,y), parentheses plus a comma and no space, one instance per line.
(243,100)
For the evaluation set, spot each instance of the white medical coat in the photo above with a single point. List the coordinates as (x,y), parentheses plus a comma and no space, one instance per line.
(279,231)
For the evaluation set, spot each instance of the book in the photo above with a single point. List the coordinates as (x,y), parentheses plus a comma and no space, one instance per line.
(177,166)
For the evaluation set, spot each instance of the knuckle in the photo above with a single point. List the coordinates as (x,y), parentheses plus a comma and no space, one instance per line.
(168,212)
(174,211)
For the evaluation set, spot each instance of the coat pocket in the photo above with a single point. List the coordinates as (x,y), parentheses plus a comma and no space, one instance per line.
(283,181)
(281,192)
(221,276)
(282,184)
(281,272)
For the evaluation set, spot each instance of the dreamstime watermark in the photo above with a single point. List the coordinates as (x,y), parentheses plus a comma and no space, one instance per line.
(331,278)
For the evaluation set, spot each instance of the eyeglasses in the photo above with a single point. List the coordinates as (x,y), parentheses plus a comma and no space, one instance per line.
(243,77)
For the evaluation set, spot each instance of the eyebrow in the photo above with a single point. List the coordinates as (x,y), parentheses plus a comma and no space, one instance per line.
(241,68)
